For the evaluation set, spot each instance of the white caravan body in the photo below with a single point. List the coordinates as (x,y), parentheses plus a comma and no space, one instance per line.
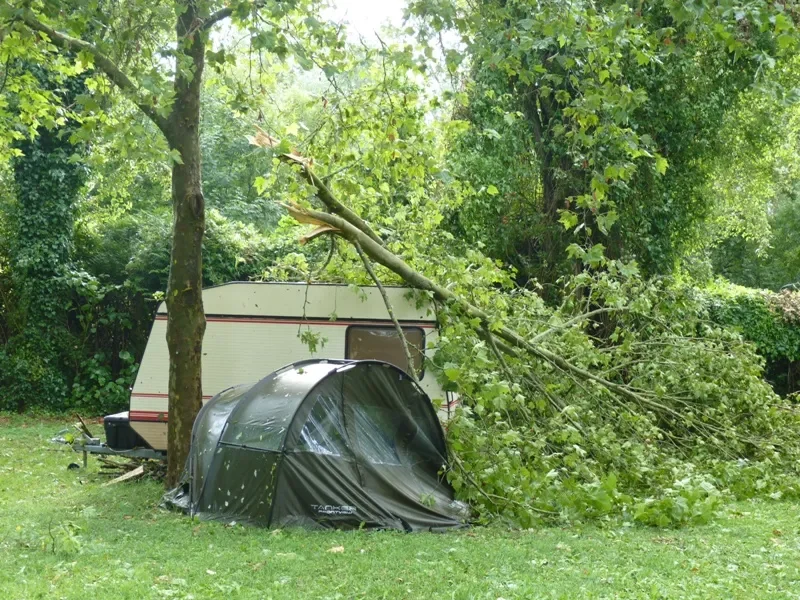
(254,329)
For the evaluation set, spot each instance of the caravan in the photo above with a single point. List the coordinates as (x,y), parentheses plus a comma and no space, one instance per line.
(256,328)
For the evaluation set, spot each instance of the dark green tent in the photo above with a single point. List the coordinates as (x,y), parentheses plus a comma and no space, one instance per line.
(321,443)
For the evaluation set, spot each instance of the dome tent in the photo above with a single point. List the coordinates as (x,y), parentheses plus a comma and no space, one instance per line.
(321,443)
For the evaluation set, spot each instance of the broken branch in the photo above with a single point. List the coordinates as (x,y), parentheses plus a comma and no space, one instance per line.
(368,266)
(355,234)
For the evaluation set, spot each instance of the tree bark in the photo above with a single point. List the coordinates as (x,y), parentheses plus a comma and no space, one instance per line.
(539,114)
(186,321)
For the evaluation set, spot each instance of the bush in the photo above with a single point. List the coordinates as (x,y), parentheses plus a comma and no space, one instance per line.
(770,320)
(88,362)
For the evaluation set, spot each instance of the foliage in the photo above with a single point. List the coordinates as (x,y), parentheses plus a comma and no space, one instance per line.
(154,54)
(116,231)
(494,151)
(753,231)
(134,250)
(611,98)
(46,181)
(102,325)
(572,451)
(758,170)
(769,320)
(746,263)
(369,136)
(582,126)
(534,440)
(229,165)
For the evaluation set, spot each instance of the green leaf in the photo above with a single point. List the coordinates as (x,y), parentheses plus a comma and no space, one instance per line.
(452,372)
(785,40)
(175,156)
(606,221)
(575,251)
(568,219)
(492,190)
(260,184)
(595,255)
(661,164)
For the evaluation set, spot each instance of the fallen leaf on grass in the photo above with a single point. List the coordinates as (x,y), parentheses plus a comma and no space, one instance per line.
(336,549)
(664,540)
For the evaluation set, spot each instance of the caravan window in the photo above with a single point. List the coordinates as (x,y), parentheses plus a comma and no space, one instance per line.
(382,343)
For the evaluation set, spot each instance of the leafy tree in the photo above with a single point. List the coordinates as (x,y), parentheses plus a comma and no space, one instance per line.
(47,180)
(770,321)
(625,399)
(751,235)
(774,265)
(133,55)
(613,93)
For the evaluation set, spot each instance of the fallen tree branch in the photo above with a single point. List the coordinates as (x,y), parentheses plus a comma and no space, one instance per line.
(264,140)
(82,427)
(137,472)
(350,226)
(391,261)
(573,321)
(493,498)
(368,266)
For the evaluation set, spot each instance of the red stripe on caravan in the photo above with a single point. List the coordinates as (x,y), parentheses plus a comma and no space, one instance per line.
(148,415)
(320,322)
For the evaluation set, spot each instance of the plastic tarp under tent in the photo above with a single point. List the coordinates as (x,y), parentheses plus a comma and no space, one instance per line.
(321,444)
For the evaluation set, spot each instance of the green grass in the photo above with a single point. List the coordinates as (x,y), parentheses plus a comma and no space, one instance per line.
(64,536)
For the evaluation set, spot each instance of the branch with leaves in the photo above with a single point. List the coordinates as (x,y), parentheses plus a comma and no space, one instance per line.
(355,230)
(101,61)
(400,334)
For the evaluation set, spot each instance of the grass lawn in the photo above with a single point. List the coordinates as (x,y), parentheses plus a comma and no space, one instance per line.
(64,536)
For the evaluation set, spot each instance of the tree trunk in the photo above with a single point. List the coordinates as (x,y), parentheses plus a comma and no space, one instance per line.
(186,321)
(539,113)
